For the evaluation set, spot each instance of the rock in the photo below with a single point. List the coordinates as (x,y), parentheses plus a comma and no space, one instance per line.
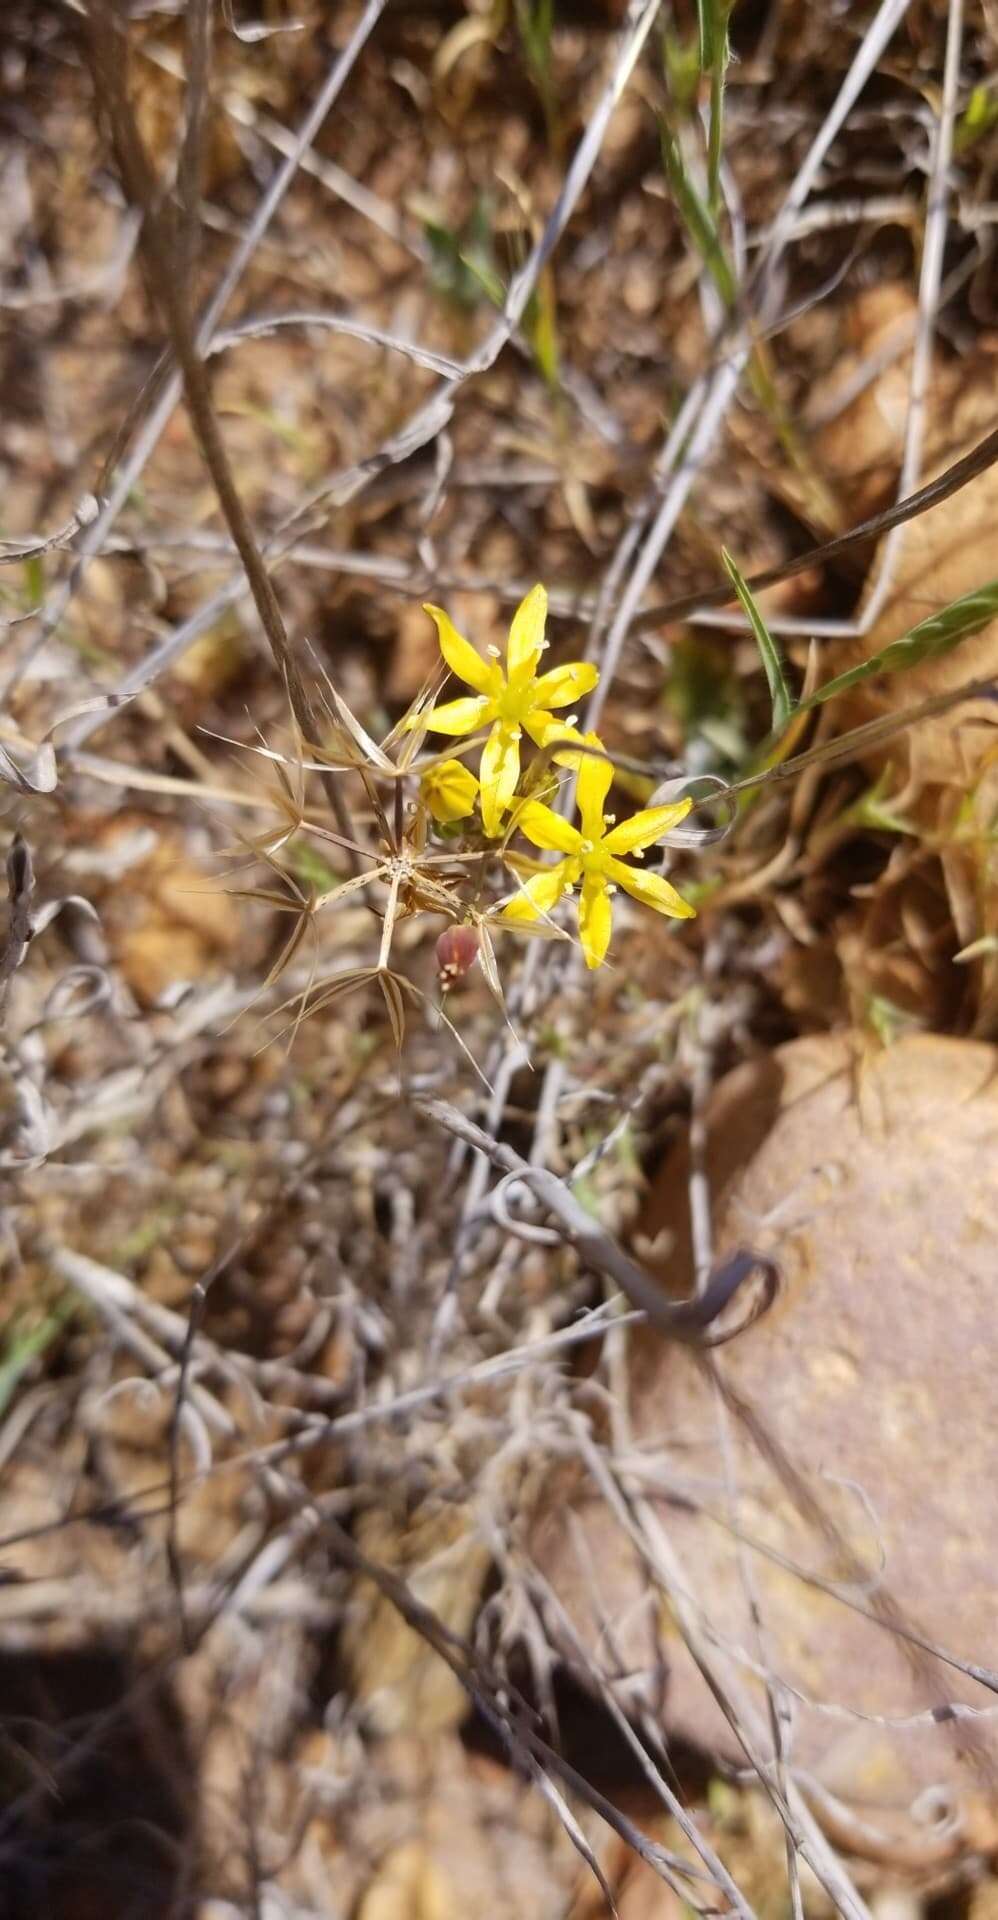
(871,1178)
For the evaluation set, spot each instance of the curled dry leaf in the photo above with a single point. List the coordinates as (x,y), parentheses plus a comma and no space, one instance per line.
(870,1177)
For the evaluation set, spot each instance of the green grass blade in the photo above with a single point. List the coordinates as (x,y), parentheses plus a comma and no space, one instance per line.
(937,635)
(697,217)
(712,25)
(779,692)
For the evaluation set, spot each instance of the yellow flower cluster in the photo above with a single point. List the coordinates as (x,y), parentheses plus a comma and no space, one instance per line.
(515,700)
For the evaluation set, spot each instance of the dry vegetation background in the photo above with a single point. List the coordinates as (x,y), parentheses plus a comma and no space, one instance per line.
(364,1552)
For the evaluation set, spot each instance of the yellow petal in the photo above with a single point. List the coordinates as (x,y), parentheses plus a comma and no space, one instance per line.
(449,791)
(643,829)
(458,716)
(573,760)
(595,781)
(564,684)
(526,636)
(459,653)
(595,918)
(651,890)
(545,728)
(498,774)
(540,893)
(547,829)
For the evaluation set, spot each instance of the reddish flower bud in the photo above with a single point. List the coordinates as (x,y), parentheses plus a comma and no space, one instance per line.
(457,951)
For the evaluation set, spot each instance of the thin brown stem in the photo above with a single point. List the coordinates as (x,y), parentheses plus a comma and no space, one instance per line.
(164,256)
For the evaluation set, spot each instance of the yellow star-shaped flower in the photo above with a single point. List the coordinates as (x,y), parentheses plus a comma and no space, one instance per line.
(592,855)
(510,702)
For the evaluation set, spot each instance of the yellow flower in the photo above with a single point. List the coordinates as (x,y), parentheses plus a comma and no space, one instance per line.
(509,703)
(592,856)
(449,791)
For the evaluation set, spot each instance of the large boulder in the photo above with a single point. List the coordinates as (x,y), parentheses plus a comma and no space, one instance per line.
(872,1178)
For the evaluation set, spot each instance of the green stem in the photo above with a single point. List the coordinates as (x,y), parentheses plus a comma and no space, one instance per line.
(715,132)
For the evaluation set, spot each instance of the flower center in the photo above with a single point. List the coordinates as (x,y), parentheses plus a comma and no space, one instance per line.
(514,703)
(594,858)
